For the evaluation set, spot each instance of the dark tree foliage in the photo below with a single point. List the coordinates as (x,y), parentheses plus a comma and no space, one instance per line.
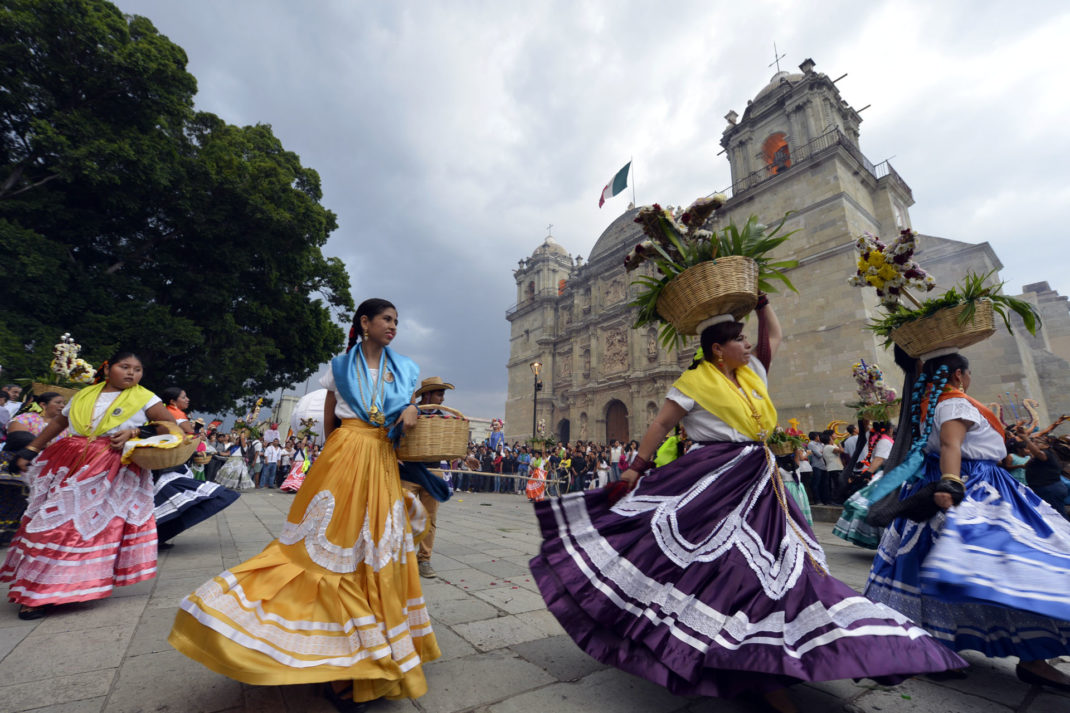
(130,220)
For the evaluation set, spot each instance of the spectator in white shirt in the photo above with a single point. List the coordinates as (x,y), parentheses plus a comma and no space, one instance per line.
(271,465)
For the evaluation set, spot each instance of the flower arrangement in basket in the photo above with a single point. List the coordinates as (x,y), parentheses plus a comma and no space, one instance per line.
(440,434)
(68,372)
(877,401)
(962,316)
(703,273)
(782,442)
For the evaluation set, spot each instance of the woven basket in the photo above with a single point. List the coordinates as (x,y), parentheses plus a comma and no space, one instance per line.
(781,449)
(434,437)
(160,458)
(201,458)
(39,388)
(942,330)
(727,285)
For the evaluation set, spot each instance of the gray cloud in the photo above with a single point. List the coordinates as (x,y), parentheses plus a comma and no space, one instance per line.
(448,135)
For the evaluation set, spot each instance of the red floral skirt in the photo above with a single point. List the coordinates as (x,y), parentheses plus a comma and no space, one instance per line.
(88,526)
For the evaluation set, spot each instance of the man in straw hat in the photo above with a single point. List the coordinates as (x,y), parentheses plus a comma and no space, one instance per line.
(415,477)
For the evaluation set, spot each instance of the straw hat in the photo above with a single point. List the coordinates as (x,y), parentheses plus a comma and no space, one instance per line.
(432,383)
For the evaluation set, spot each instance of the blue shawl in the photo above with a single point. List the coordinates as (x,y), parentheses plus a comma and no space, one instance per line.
(396,394)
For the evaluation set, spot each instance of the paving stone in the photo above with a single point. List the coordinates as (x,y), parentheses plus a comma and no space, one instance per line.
(609,690)
(470,579)
(559,656)
(544,621)
(152,631)
(1050,703)
(445,564)
(460,611)
(501,568)
(514,601)
(187,686)
(481,679)
(438,589)
(42,656)
(123,612)
(491,634)
(993,679)
(450,643)
(11,636)
(913,695)
(89,705)
(59,690)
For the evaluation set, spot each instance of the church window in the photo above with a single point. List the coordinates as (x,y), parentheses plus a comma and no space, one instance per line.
(531,291)
(776,153)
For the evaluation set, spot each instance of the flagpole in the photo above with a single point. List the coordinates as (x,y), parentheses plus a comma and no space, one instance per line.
(631,161)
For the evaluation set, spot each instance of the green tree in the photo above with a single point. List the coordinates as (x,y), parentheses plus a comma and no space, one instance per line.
(132,221)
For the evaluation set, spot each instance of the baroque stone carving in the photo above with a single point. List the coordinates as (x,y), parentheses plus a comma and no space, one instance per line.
(615,291)
(615,355)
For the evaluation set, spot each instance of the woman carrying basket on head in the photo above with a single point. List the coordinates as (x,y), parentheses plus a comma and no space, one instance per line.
(336,598)
(979,560)
(89,525)
(705,578)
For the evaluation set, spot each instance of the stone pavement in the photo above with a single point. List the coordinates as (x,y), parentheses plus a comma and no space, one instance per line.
(502,651)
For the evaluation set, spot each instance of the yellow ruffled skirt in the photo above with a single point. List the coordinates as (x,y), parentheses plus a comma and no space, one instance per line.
(337,596)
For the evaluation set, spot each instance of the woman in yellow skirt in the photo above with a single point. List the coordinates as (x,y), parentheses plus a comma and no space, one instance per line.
(336,598)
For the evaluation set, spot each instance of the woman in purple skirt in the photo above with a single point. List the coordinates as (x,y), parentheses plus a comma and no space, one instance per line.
(706,578)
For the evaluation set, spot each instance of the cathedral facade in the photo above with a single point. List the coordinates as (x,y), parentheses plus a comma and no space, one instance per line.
(795,149)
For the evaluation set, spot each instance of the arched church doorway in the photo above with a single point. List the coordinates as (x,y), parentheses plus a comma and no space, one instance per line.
(616,422)
(563,428)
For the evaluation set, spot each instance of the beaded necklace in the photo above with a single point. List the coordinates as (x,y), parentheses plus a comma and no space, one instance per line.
(375,415)
(762,433)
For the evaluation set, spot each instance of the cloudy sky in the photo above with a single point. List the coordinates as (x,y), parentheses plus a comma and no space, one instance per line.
(449,135)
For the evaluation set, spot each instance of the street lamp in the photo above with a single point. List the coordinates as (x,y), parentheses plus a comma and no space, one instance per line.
(536,367)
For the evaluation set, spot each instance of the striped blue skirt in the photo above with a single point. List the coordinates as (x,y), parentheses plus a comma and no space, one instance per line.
(991,574)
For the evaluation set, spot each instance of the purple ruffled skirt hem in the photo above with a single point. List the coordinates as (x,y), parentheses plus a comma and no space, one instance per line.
(707,580)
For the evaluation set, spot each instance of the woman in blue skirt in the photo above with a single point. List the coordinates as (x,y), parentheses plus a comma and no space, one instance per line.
(978,559)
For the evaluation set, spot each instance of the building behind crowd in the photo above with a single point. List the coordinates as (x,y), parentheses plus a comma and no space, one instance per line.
(796,148)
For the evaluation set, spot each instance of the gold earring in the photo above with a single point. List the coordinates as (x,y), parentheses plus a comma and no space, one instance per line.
(365,335)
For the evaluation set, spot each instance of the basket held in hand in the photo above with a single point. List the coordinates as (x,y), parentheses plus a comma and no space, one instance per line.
(161,452)
(434,437)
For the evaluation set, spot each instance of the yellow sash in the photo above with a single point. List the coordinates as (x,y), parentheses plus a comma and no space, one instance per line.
(126,404)
(717,394)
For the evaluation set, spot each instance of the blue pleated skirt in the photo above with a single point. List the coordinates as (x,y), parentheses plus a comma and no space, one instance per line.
(991,574)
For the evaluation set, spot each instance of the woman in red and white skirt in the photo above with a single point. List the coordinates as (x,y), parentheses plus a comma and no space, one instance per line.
(89,525)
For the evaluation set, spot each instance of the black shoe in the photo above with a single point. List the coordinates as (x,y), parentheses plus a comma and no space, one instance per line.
(31,613)
(1027,676)
(952,674)
(164,545)
(343,705)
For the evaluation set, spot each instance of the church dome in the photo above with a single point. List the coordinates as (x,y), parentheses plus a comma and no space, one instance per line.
(778,79)
(550,247)
(622,231)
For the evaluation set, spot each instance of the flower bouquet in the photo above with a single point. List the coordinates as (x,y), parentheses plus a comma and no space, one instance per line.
(702,273)
(67,371)
(877,402)
(962,316)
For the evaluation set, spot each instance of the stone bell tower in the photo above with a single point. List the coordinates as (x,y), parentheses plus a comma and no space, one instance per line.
(796,148)
(540,279)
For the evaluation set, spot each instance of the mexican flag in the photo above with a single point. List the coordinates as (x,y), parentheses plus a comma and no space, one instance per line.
(616,184)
